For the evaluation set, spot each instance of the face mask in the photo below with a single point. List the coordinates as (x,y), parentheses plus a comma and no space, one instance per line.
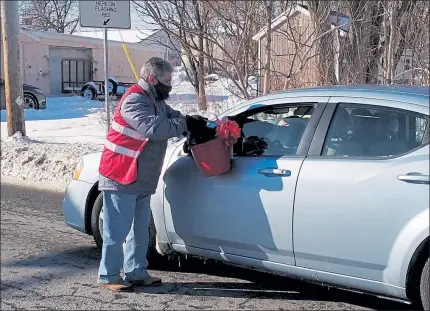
(162,90)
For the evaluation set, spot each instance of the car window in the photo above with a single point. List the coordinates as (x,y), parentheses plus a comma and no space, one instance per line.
(273,131)
(373,131)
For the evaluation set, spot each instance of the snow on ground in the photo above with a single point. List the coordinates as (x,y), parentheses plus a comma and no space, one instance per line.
(56,139)
(35,160)
(70,127)
(221,88)
(66,120)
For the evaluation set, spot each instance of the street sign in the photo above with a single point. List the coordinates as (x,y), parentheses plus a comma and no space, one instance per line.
(105,14)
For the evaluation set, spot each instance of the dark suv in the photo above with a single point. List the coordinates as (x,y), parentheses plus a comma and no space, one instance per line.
(33,96)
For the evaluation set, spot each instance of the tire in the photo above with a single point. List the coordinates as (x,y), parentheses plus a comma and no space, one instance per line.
(95,220)
(31,101)
(425,287)
(89,92)
(154,258)
(114,87)
(152,254)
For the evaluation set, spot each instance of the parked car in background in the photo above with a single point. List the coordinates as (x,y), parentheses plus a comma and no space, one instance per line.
(93,89)
(33,96)
(339,197)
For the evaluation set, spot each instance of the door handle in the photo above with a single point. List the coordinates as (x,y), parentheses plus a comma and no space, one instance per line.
(415,178)
(273,171)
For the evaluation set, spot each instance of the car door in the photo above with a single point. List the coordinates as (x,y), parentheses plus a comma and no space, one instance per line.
(364,180)
(246,212)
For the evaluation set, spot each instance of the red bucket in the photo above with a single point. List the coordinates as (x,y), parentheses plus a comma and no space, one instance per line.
(212,157)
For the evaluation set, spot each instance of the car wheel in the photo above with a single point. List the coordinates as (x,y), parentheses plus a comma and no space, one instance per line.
(97,221)
(113,87)
(30,101)
(89,93)
(97,230)
(425,287)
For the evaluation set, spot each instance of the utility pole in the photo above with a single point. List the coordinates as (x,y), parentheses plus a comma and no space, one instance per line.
(12,67)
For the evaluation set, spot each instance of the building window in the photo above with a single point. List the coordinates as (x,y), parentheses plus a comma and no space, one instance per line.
(407,64)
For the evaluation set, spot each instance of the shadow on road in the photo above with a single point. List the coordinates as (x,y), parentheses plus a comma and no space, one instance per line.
(253,285)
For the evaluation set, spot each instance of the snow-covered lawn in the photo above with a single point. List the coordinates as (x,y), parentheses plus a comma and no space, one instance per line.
(70,127)
(68,119)
(56,138)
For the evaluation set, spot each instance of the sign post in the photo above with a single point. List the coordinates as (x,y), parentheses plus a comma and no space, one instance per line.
(105,47)
(105,14)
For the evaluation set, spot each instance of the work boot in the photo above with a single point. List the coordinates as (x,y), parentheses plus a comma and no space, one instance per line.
(147,281)
(120,286)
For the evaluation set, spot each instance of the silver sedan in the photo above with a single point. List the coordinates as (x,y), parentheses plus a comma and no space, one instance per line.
(328,184)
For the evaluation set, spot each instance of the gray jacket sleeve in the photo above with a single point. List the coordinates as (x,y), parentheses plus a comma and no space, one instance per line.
(172,113)
(140,114)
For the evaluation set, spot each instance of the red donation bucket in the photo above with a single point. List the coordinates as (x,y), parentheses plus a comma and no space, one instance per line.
(212,157)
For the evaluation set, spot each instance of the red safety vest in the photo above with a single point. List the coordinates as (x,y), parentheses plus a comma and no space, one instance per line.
(123,146)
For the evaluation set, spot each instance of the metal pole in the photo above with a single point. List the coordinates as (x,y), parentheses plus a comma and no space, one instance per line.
(12,67)
(105,46)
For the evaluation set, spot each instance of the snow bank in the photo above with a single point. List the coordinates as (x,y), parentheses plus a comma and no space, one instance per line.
(216,85)
(57,138)
(33,160)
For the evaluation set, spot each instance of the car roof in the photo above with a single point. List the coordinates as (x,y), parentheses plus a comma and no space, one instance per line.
(418,95)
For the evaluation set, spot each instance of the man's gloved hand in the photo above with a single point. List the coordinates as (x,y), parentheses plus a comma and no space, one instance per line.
(195,122)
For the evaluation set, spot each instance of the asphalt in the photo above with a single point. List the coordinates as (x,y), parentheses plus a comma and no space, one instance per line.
(47,265)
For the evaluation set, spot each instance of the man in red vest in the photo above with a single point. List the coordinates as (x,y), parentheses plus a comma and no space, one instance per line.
(130,168)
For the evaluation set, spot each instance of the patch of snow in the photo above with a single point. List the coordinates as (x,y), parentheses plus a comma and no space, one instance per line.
(57,138)
(212,77)
(65,120)
(215,85)
(214,108)
(34,160)
(252,79)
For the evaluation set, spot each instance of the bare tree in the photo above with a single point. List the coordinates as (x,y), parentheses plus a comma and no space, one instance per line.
(234,53)
(219,32)
(303,51)
(349,42)
(176,17)
(58,15)
(315,42)
(407,32)
(269,11)
(200,54)
(321,15)
(383,36)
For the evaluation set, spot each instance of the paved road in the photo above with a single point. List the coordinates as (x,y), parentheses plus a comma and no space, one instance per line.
(46,265)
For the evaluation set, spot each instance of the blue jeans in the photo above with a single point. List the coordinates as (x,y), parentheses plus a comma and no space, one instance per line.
(126,218)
